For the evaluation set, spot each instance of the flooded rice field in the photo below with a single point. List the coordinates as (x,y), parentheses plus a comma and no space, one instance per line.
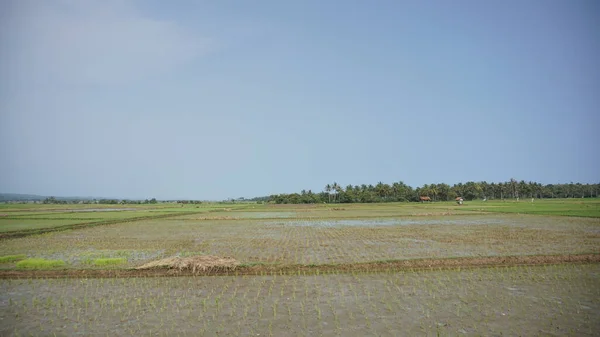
(559,300)
(393,222)
(293,241)
(478,220)
(369,270)
(262,215)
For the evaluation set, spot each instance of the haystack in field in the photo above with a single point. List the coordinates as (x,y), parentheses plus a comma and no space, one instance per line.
(193,263)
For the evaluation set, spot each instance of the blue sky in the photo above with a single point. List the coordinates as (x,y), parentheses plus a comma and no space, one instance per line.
(218,99)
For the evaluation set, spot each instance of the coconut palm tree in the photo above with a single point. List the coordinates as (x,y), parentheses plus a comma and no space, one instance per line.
(514,188)
(424,191)
(443,191)
(395,190)
(328,190)
(433,189)
(335,188)
(338,192)
(380,190)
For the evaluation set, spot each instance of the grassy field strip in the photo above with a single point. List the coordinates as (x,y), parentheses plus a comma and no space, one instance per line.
(13,227)
(106,212)
(563,207)
(571,207)
(78,225)
(566,207)
(338,216)
(79,215)
(74,207)
(509,301)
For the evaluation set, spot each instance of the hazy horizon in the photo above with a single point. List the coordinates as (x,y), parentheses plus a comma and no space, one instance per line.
(216,100)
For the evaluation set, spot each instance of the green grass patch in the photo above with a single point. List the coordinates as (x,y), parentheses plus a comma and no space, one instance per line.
(19,227)
(40,264)
(10,225)
(12,258)
(110,261)
(557,207)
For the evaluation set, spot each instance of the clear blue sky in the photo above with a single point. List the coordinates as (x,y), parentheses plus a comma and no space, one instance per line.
(217,99)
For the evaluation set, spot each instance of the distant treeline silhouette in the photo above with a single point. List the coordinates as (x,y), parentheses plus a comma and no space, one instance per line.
(399,191)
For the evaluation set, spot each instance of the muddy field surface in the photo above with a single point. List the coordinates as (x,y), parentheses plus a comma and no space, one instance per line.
(232,267)
(316,242)
(315,270)
(503,301)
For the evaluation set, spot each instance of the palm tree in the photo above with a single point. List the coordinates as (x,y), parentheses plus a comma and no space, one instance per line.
(387,190)
(424,191)
(523,189)
(336,189)
(478,189)
(500,188)
(533,189)
(328,189)
(406,191)
(395,190)
(380,190)
(434,190)
(443,190)
(513,188)
(349,194)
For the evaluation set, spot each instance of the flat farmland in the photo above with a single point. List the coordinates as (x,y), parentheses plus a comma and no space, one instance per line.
(502,268)
(20,221)
(555,300)
(301,241)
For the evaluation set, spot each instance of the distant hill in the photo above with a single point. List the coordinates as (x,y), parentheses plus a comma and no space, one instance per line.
(20,197)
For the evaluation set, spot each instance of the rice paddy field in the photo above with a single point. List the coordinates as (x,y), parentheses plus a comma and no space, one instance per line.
(433,269)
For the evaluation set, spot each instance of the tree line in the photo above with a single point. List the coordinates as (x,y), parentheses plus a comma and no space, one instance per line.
(399,191)
(54,200)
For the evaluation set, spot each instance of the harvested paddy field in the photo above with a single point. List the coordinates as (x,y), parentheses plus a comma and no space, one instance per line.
(286,270)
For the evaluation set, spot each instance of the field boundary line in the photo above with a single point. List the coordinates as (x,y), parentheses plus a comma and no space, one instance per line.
(431,264)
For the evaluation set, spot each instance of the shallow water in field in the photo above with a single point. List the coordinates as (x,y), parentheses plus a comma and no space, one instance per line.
(396,222)
(517,301)
(263,215)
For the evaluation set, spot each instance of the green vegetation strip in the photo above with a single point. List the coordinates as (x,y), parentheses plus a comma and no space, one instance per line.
(12,258)
(110,261)
(40,264)
(27,232)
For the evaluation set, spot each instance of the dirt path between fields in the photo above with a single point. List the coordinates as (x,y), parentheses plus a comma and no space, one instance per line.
(263,269)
